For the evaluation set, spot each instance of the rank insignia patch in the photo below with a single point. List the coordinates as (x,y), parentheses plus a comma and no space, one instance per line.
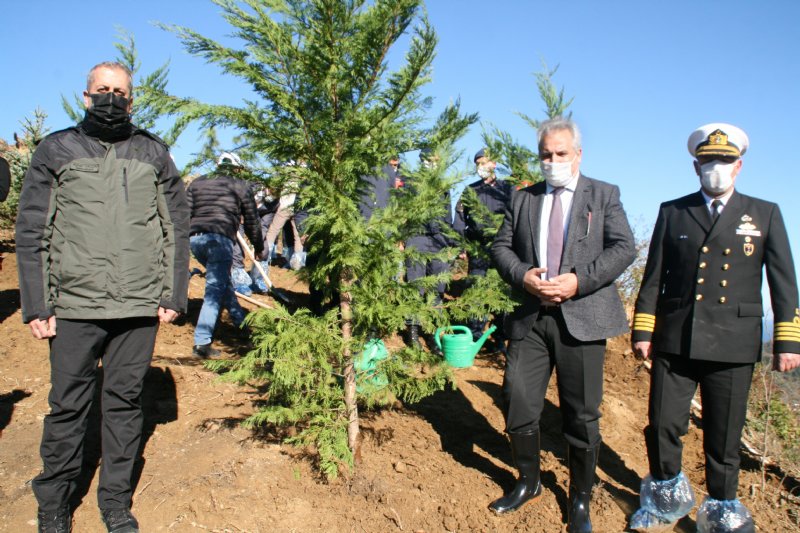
(746,228)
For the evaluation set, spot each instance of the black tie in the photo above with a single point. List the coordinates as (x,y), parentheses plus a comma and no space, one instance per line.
(715,208)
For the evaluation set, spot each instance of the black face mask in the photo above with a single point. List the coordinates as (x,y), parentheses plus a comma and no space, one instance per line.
(108,118)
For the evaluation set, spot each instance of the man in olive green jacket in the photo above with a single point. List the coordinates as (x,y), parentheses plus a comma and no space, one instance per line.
(103,252)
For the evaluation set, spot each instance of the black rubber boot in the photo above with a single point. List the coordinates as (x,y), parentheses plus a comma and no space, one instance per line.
(582,464)
(412,336)
(525,451)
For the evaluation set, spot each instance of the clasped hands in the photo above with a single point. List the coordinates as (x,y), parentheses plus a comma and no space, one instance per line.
(554,290)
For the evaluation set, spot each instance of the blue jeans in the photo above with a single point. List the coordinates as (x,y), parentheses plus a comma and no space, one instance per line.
(215,252)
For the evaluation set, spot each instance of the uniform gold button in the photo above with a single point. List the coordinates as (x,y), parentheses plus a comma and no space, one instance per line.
(722,300)
(726,266)
(700,281)
(698,297)
(703,264)
(723,283)
(705,249)
(727,251)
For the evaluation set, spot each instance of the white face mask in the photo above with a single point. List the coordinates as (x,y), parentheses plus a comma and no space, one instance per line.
(557,174)
(485,172)
(716,177)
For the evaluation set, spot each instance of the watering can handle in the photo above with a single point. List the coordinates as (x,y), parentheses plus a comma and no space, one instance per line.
(438,335)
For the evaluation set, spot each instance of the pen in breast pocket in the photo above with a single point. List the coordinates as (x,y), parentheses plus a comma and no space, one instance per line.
(588,222)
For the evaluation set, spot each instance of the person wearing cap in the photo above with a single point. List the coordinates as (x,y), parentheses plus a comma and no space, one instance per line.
(562,244)
(218,201)
(698,317)
(431,240)
(494,195)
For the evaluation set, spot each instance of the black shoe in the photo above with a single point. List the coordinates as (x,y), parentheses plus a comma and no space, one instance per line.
(582,463)
(119,521)
(205,351)
(412,336)
(525,450)
(59,521)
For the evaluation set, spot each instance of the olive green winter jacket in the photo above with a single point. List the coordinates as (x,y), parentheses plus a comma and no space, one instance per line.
(102,230)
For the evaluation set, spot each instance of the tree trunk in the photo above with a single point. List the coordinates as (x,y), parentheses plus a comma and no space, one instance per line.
(349,369)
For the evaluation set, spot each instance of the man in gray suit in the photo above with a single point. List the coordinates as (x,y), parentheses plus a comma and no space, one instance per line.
(562,244)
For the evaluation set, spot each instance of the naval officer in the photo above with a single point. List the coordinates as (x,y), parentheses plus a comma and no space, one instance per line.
(699,317)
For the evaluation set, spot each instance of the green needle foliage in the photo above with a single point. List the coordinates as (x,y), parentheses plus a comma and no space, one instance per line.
(19,159)
(146,88)
(489,294)
(327,111)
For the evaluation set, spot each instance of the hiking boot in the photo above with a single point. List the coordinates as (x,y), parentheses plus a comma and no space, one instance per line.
(205,351)
(58,521)
(119,521)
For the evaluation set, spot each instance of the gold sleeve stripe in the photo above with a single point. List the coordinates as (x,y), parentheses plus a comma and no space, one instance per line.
(787,326)
(644,322)
(786,337)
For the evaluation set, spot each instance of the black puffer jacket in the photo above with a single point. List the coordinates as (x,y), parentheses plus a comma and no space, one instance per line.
(217,203)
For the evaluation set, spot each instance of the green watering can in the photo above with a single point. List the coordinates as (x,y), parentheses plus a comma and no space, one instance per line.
(368,378)
(458,348)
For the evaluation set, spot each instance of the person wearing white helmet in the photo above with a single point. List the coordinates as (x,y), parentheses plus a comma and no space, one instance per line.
(218,201)
(698,316)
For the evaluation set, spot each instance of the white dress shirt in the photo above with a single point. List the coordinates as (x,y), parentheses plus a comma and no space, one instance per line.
(544,222)
(723,199)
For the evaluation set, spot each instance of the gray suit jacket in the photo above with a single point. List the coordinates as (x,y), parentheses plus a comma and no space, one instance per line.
(598,249)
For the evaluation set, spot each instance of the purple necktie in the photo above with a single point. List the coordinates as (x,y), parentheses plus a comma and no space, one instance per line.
(555,235)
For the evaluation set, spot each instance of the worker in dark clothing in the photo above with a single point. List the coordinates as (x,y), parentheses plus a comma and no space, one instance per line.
(5,186)
(5,179)
(431,240)
(495,196)
(244,282)
(376,189)
(217,202)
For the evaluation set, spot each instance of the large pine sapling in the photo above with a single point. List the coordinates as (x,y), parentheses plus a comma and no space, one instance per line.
(325,100)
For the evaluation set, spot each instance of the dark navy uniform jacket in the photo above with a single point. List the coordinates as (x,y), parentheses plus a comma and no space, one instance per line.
(375,191)
(496,197)
(701,292)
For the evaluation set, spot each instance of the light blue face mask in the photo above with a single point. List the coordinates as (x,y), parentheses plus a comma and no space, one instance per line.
(557,174)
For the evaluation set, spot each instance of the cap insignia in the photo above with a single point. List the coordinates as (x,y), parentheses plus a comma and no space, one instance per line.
(717,137)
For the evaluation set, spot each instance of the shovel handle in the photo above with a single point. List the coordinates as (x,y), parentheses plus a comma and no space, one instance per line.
(252,256)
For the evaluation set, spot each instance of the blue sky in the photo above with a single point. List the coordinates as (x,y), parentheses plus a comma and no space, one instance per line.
(643,75)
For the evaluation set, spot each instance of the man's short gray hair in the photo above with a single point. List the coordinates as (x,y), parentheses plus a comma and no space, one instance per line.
(560,123)
(113,65)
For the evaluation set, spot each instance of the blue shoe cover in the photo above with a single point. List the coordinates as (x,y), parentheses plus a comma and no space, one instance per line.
(662,503)
(241,281)
(724,516)
(298,260)
(259,285)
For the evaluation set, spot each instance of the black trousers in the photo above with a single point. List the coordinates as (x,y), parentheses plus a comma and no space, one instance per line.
(579,369)
(724,388)
(126,349)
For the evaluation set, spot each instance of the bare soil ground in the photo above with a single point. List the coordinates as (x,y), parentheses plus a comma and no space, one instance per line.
(429,467)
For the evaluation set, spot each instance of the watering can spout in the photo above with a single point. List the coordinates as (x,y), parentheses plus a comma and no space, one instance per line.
(457,345)
(478,343)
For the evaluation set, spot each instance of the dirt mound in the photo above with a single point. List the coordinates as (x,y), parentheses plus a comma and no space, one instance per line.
(430,467)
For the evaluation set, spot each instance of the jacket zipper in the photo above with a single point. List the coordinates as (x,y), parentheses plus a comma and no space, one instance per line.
(125,182)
